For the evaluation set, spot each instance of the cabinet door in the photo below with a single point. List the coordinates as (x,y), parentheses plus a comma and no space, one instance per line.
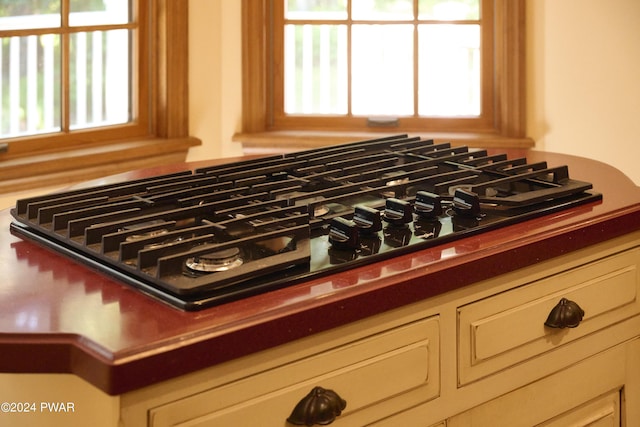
(585,394)
(601,412)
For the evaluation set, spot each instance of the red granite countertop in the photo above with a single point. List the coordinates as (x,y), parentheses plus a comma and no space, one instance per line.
(58,316)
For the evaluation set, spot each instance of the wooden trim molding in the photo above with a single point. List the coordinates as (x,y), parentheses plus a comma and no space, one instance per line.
(509,127)
(510,57)
(92,162)
(272,142)
(172,89)
(255,69)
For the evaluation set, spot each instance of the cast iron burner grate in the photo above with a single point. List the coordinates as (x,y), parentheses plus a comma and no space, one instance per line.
(200,238)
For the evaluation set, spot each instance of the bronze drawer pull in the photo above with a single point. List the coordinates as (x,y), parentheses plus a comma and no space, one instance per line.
(566,314)
(320,406)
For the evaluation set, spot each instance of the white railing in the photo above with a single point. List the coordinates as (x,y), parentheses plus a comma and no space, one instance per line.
(382,83)
(30,77)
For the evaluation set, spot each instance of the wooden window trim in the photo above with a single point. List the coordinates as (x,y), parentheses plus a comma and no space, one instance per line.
(167,139)
(507,130)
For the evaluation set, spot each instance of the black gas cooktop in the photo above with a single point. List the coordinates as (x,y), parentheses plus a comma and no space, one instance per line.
(200,238)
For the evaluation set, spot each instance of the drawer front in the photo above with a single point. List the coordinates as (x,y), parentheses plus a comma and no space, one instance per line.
(400,364)
(508,328)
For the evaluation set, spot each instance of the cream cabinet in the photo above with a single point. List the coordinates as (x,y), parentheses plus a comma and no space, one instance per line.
(477,356)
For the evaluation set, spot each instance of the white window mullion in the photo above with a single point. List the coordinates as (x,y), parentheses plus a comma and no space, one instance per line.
(325,69)
(32,115)
(96,78)
(48,83)
(81,79)
(343,69)
(14,86)
(307,69)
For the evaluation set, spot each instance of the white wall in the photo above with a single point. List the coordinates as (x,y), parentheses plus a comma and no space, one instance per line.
(215,81)
(583,73)
(584,79)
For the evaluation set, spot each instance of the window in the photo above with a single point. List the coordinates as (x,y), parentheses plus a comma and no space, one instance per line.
(331,67)
(406,60)
(97,84)
(66,66)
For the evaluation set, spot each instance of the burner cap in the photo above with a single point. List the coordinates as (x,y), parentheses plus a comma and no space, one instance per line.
(397,181)
(320,210)
(222,260)
(146,235)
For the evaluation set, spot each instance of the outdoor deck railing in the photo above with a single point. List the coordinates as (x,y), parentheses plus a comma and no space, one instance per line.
(31,76)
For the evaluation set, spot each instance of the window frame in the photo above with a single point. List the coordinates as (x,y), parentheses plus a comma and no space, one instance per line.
(280,120)
(505,128)
(158,136)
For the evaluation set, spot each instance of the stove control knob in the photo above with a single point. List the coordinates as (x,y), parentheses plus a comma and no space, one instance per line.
(466,203)
(367,219)
(343,234)
(398,212)
(427,205)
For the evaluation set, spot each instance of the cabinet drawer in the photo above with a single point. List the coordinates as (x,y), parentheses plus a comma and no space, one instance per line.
(508,328)
(398,365)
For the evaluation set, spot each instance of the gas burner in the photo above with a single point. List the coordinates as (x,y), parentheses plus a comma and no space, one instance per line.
(396,181)
(316,204)
(319,207)
(164,243)
(223,260)
(320,211)
(146,235)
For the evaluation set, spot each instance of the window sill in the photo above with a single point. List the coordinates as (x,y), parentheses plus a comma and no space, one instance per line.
(286,141)
(67,167)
